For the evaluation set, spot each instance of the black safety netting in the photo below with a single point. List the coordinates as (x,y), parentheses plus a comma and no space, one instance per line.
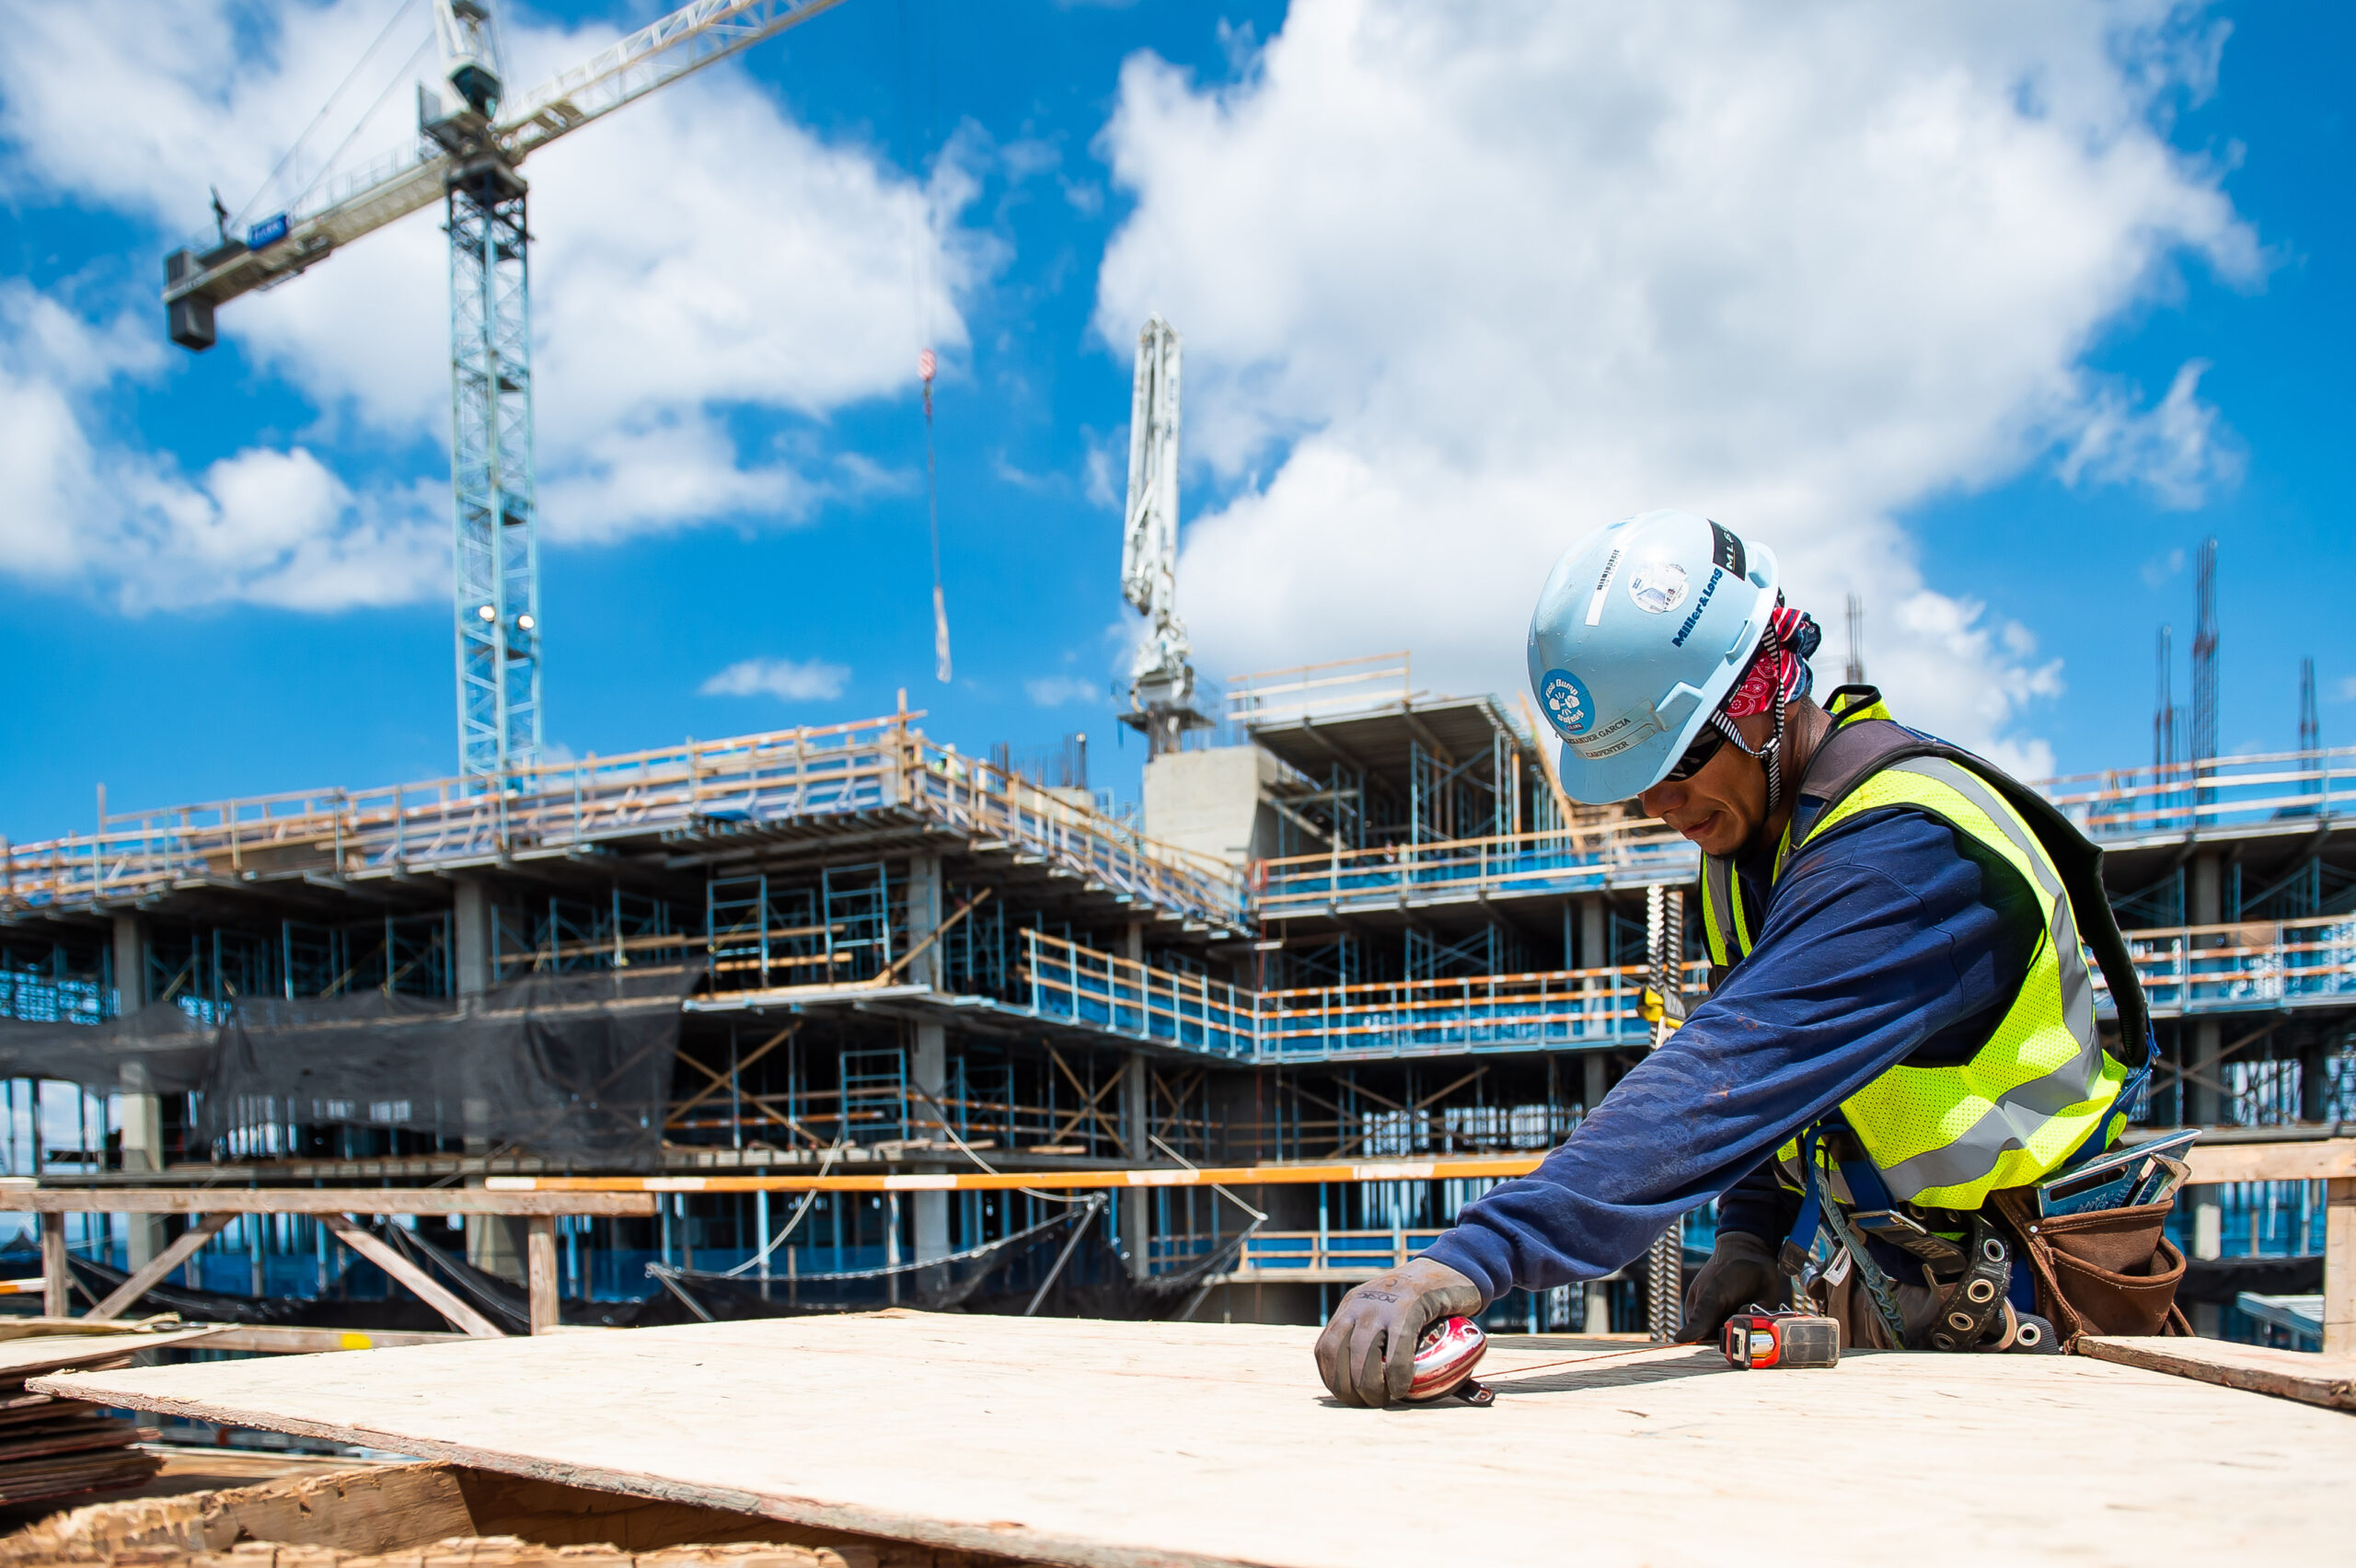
(570,1068)
(157,1050)
(1062,1267)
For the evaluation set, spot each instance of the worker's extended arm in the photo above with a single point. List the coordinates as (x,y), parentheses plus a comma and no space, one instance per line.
(1884,939)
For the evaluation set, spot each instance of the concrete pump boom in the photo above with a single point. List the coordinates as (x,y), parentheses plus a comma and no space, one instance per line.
(1162,680)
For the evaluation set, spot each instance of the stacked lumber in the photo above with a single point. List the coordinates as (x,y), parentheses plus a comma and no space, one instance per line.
(53,1447)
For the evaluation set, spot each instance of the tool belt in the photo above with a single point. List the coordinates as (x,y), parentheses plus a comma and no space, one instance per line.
(2109,1271)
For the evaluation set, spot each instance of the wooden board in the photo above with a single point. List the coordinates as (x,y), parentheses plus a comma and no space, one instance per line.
(2311,1159)
(1126,1445)
(2327,1380)
(328,1200)
(21,1358)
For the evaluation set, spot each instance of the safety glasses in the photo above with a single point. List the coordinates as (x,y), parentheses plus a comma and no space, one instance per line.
(1697,755)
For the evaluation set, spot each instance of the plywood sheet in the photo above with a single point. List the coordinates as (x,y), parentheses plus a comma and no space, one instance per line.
(1126,1445)
(2328,1381)
(21,1358)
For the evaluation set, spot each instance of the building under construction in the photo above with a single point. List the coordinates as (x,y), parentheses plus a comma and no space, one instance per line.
(1367,929)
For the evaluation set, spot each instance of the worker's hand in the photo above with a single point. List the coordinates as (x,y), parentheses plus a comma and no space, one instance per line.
(1741,1270)
(1367,1354)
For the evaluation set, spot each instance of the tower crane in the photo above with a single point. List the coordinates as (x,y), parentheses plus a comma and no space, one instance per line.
(1162,678)
(471,137)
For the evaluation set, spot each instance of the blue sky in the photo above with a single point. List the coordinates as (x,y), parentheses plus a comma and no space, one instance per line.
(1405,253)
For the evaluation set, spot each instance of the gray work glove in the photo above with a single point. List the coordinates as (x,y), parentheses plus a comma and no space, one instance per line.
(1741,1270)
(1367,1354)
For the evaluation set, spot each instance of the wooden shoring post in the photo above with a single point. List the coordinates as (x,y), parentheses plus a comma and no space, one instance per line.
(2340,1266)
(539,1270)
(151,1273)
(56,1277)
(428,1290)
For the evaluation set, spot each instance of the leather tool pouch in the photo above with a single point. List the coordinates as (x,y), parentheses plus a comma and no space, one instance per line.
(2110,1271)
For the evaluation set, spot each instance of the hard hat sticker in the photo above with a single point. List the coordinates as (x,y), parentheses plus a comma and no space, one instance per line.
(1657,586)
(1568,707)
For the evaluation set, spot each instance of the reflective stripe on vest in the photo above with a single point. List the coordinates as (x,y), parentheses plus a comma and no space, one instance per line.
(1725,929)
(1946,1137)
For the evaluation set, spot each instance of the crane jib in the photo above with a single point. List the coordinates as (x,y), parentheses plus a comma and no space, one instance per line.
(465,154)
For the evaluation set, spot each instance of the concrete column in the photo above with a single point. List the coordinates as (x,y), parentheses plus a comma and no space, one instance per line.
(494,1242)
(1597,1317)
(929,1071)
(1592,915)
(2203,1104)
(471,921)
(924,915)
(1133,943)
(929,1062)
(1594,1063)
(2206,890)
(1135,1233)
(143,1109)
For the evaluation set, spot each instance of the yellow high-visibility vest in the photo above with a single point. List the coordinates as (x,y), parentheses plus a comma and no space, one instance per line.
(2041,1085)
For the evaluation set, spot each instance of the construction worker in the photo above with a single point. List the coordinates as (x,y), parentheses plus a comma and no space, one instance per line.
(1901,1019)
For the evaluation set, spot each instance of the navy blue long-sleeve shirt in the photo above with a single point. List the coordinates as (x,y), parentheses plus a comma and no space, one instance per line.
(1889,939)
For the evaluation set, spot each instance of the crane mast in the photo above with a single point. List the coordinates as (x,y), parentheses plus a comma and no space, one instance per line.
(494,511)
(1162,678)
(470,139)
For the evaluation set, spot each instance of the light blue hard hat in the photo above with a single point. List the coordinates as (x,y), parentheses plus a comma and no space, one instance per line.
(1640,631)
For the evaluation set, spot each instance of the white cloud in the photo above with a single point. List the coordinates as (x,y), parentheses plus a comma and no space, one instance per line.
(1054,691)
(1466,282)
(2160,568)
(804,680)
(1103,481)
(696,254)
(2175,450)
(265,527)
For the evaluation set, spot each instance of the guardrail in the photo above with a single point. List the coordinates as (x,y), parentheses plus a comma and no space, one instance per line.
(2215,794)
(1635,854)
(2194,969)
(2253,966)
(1557,1010)
(2219,796)
(700,788)
(1082,985)
(1312,1257)
(1336,688)
(1550,1009)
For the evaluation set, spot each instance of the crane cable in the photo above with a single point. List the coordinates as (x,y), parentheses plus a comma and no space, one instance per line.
(394,20)
(925,366)
(927,362)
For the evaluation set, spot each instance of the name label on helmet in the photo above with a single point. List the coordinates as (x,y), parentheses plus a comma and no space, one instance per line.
(1568,707)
